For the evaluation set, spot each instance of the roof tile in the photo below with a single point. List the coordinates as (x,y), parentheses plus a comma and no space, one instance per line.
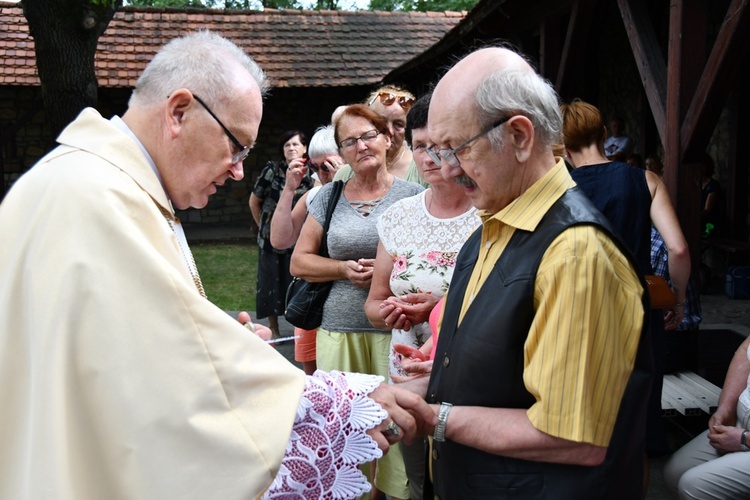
(295,48)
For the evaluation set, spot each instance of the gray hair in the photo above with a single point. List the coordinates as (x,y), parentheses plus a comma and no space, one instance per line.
(520,92)
(322,142)
(203,62)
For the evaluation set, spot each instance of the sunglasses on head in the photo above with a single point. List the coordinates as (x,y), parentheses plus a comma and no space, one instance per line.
(387,99)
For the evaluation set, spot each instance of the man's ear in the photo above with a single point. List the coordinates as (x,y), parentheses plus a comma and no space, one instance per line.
(521,132)
(178,103)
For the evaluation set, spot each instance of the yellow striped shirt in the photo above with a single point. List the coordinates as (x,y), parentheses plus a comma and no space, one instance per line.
(581,345)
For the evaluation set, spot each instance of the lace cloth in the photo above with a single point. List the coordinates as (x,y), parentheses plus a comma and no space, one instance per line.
(329,439)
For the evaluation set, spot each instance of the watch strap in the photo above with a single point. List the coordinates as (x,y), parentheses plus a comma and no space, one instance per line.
(439,434)
(743,441)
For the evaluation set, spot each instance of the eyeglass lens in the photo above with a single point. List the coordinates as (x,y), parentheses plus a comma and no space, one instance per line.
(315,167)
(404,101)
(367,137)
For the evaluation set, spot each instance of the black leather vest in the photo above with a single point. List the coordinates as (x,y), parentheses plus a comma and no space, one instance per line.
(480,363)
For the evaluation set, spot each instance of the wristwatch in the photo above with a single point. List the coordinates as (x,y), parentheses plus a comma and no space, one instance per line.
(743,441)
(439,434)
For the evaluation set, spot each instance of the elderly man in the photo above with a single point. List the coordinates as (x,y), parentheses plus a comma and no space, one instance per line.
(543,324)
(119,379)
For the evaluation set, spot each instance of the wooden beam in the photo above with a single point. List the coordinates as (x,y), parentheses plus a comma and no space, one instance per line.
(718,79)
(648,58)
(573,68)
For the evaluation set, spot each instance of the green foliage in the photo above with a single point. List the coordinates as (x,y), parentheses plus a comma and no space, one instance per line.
(223,4)
(422,5)
(166,3)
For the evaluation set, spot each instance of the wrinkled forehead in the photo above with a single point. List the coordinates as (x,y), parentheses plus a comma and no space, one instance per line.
(452,113)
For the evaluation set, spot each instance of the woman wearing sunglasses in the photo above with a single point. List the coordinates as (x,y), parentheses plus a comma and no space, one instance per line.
(288,218)
(392,103)
(346,339)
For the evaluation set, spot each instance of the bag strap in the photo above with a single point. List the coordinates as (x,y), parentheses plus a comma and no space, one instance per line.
(338,188)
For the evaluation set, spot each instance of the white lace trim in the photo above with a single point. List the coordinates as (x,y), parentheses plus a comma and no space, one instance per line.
(329,439)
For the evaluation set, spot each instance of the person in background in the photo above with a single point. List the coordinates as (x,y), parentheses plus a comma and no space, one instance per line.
(118,378)
(346,339)
(419,240)
(392,103)
(519,331)
(617,144)
(286,222)
(654,164)
(680,342)
(716,463)
(273,264)
(712,210)
(635,160)
(631,199)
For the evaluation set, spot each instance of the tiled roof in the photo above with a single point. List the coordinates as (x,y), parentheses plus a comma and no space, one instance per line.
(296,48)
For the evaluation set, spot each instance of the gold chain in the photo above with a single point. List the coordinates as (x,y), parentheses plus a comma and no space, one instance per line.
(186,253)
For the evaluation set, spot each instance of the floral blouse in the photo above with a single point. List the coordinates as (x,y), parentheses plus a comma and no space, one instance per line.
(424,250)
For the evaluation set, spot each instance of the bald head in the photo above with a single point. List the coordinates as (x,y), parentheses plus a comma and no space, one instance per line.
(459,85)
(492,83)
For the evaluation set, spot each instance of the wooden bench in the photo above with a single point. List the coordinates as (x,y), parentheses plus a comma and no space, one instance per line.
(688,394)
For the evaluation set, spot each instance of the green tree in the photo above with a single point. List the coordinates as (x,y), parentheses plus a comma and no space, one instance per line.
(422,5)
(65,34)
(224,4)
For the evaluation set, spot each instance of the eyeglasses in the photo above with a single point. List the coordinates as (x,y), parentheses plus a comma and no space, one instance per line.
(242,151)
(387,99)
(315,167)
(367,138)
(449,156)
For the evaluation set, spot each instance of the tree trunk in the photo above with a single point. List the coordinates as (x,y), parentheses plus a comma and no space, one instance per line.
(65,34)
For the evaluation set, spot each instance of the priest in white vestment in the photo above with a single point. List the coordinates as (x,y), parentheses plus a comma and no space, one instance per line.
(118,378)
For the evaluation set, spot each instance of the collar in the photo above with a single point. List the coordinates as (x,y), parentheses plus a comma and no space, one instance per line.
(123,127)
(526,211)
(115,143)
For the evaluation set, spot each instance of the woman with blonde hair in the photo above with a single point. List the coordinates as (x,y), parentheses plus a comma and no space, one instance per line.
(393,103)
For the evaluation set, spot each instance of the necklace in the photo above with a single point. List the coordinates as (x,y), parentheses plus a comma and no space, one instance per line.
(593,161)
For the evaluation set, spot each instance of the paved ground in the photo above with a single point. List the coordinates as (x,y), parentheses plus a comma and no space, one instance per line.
(719,313)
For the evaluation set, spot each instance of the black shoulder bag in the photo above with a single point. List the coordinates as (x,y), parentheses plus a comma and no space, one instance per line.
(304,301)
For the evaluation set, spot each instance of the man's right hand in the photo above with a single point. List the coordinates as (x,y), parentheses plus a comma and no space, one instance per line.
(406,409)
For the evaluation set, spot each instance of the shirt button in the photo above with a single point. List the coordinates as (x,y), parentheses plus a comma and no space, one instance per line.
(446,361)
(487,245)
(435,455)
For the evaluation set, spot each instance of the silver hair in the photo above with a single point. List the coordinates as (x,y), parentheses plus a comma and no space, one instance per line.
(203,62)
(322,142)
(519,92)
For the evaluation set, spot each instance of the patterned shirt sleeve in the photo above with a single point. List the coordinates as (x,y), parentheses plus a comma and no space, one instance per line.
(581,349)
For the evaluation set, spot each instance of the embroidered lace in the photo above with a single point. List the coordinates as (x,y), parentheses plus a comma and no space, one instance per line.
(329,439)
